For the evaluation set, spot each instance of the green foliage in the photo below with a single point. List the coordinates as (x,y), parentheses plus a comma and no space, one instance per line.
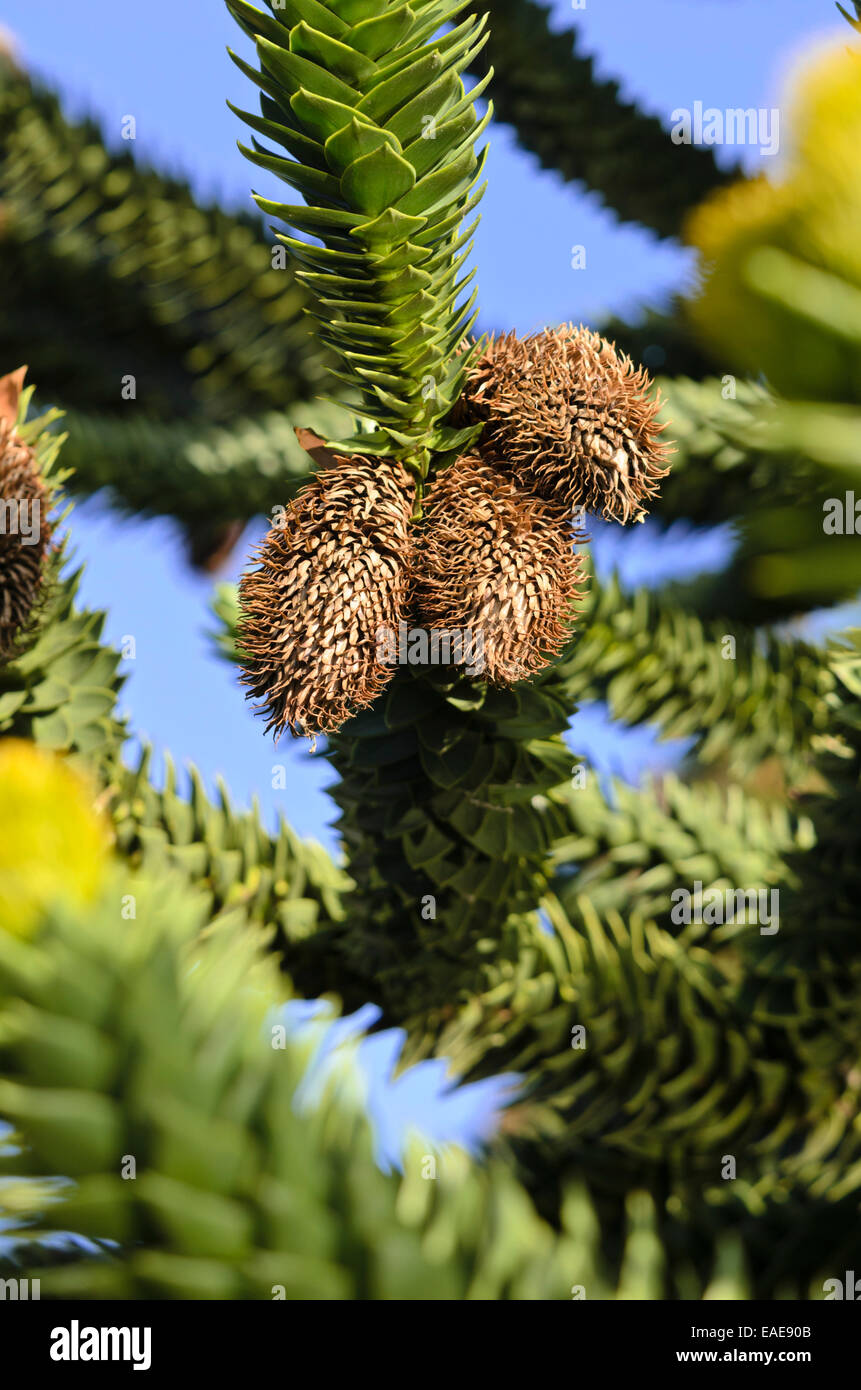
(62,690)
(110,269)
(374,113)
(143,1046)
(784,1095)
(782,296)
(703,1040)
(798,543)
(743,458)
(447,817)
(197,473)
(282,882)
(780,470)
(781,257)
(60,685)
(653,662)
(726,455)
(824,902)
(631,849)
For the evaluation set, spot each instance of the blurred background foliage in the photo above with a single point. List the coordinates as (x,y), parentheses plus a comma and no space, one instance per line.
(151,1035)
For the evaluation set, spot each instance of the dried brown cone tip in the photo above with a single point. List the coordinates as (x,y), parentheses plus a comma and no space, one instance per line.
(572,418)
(497,564)
(333,574)
(25,530)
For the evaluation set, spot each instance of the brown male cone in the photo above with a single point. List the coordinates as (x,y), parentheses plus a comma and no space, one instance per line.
(570,417)
(25,532)
(497,564)
(333,576)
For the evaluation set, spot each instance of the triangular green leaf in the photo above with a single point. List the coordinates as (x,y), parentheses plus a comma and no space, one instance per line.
(375,181)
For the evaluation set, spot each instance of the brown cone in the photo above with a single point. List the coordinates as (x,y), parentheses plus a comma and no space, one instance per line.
(497,563)
(25,531)
(333,574)
(571,418)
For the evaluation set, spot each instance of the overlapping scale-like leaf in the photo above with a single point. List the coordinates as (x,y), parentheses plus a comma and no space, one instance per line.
(366,100)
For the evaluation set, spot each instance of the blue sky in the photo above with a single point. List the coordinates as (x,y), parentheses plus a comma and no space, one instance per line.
(165,63)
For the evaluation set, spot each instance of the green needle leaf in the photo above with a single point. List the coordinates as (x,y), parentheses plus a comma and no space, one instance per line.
(347,63)
(298,73)
(358,137)
(382,33)
(375,180)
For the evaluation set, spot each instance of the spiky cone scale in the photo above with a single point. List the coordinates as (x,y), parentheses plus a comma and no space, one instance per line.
(332,574)
(366,99)
(25,530)
(497,562)
(571,417)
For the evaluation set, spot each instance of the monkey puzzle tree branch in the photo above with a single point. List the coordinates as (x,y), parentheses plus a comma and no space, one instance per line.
(111,270)
(580,126)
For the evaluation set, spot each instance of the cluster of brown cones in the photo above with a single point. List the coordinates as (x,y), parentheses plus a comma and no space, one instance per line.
(25,531)
(569,425)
